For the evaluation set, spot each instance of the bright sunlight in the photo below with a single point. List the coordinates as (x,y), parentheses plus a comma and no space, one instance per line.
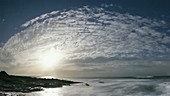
(50,58)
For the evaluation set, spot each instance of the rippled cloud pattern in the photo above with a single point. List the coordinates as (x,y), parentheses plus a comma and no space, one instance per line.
(92,39)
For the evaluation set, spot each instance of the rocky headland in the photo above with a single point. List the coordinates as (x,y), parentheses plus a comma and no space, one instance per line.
(11,83)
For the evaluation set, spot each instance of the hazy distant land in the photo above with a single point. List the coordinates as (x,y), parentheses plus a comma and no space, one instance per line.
(11,83)
(129,77)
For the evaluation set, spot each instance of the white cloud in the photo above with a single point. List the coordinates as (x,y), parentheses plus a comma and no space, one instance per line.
(87,32)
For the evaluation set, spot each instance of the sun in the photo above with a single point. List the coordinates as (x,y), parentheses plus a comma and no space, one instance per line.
(50,58)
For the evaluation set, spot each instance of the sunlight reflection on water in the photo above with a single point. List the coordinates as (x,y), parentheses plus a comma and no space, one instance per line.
(48,92)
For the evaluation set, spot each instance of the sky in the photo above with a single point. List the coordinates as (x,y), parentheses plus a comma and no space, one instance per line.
(85,38)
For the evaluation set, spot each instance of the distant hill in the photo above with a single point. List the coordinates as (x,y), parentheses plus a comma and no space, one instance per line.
(129,77)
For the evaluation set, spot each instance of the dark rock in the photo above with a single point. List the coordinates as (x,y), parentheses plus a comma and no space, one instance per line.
(3,73)
(10,83)
(87,84)
(101,82)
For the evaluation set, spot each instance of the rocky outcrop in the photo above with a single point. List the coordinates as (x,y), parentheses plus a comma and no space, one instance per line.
(10,83)
(3,74)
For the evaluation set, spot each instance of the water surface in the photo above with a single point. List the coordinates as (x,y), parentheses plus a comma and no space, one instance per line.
(108,87)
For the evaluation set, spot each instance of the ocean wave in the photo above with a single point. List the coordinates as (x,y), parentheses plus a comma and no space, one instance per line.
(110,87)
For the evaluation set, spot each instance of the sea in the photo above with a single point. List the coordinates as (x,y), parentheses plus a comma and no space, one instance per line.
(106,87)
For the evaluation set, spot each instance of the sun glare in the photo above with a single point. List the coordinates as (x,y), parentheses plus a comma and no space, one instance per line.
(48,77)
(50,58)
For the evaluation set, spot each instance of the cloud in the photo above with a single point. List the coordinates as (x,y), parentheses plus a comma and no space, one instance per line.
(103,60)
(88,35)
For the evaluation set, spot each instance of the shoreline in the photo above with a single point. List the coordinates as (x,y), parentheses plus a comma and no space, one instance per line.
(11,83)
